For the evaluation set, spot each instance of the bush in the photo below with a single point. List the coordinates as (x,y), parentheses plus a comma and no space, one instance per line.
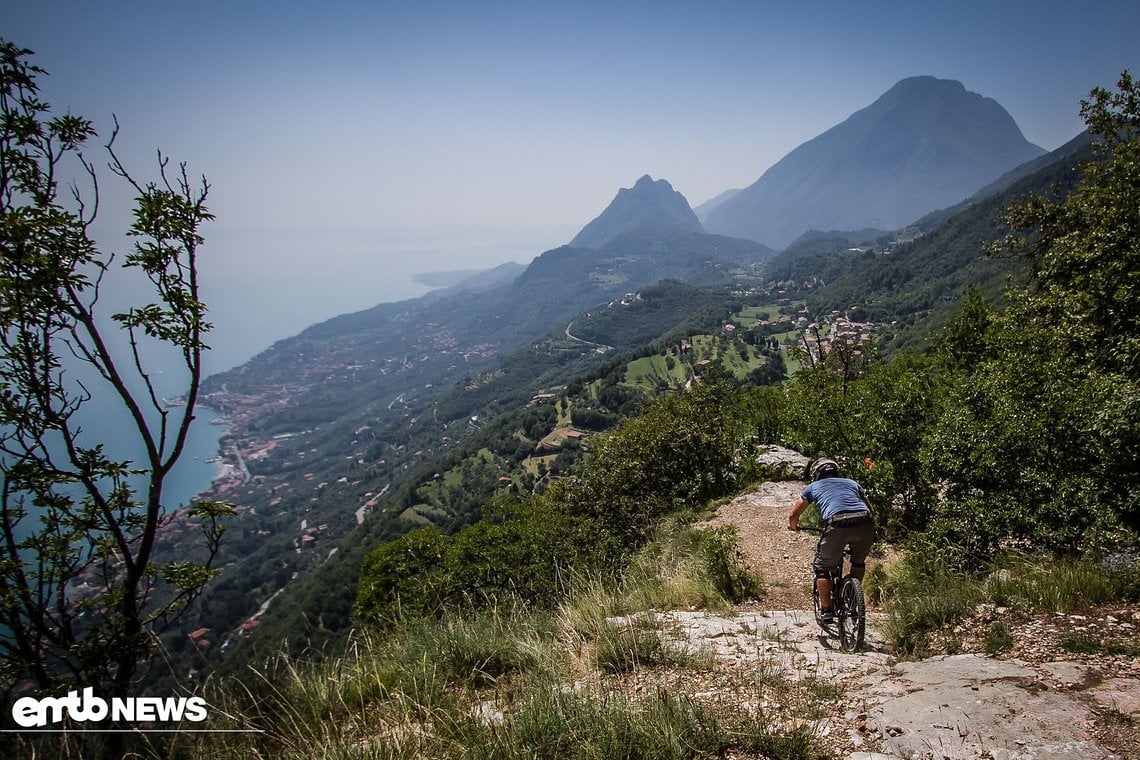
(685,567)
(397,577)
(922,594)
(520,551)
(1028,453)
(683,451)
(724,564)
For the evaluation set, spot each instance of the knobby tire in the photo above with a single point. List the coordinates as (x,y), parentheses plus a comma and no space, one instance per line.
(852,615)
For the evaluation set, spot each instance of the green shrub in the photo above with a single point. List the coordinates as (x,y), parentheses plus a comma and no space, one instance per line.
(921,594)
(686,567)
(683,451)
(998,639)
(724,564)
(397,577)
(521,551)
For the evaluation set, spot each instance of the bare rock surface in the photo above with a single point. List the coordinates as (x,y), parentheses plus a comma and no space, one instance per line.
(970,706)
(1034,701)
(785,464)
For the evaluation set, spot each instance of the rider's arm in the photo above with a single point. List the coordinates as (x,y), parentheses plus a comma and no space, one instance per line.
(797,510)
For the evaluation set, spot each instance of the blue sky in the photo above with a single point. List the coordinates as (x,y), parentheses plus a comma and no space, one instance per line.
(349,137)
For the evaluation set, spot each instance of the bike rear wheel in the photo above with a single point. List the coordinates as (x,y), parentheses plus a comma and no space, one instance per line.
(852,615)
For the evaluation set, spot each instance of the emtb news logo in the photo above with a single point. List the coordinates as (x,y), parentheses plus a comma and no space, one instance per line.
(30,712)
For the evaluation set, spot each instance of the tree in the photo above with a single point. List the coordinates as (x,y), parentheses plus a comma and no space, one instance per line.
(81,598)
(1038,441)
(1085,254)
(1084,250)
(685,449)
(822,395)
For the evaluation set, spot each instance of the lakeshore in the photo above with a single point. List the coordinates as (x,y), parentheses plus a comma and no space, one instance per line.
(202,462)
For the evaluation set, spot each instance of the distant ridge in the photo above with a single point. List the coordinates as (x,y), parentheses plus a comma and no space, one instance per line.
(648,206)
(925,144)
(470,279)
(1074,149)
(702,211)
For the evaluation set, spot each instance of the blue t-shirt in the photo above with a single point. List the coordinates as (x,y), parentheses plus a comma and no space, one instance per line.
(835,495)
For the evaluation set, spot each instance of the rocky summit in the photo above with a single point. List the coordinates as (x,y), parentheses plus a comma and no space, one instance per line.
(648,205)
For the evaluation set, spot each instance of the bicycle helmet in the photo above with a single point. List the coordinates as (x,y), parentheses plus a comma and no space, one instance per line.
(824,468)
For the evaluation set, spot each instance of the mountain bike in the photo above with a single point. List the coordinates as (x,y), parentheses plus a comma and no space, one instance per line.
(847,604)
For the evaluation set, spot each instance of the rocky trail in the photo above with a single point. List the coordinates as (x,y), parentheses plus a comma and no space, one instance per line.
(1033,700)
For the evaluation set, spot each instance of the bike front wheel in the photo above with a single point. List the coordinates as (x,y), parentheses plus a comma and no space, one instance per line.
(815,602)
(852,615)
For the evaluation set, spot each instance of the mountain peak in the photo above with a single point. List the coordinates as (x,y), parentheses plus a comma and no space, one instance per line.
(925,144)
(926,82)
(649,206)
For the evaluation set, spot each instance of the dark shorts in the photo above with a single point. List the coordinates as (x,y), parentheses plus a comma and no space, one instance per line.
(860,534)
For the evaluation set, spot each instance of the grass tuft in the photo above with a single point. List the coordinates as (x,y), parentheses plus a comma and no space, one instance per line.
(998,639)
(1063,585)
(1083,644)
(922,594)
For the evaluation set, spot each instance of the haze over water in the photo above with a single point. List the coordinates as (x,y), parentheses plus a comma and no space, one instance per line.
(254,307)
(259,292)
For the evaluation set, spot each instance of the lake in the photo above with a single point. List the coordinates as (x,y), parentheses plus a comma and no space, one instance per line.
(194,472)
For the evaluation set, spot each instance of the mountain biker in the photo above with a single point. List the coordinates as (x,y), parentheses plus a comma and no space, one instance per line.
(847,520)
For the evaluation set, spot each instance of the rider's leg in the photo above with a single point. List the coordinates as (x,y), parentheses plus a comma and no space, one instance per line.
(823,586)
(828,556)
(861,539)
